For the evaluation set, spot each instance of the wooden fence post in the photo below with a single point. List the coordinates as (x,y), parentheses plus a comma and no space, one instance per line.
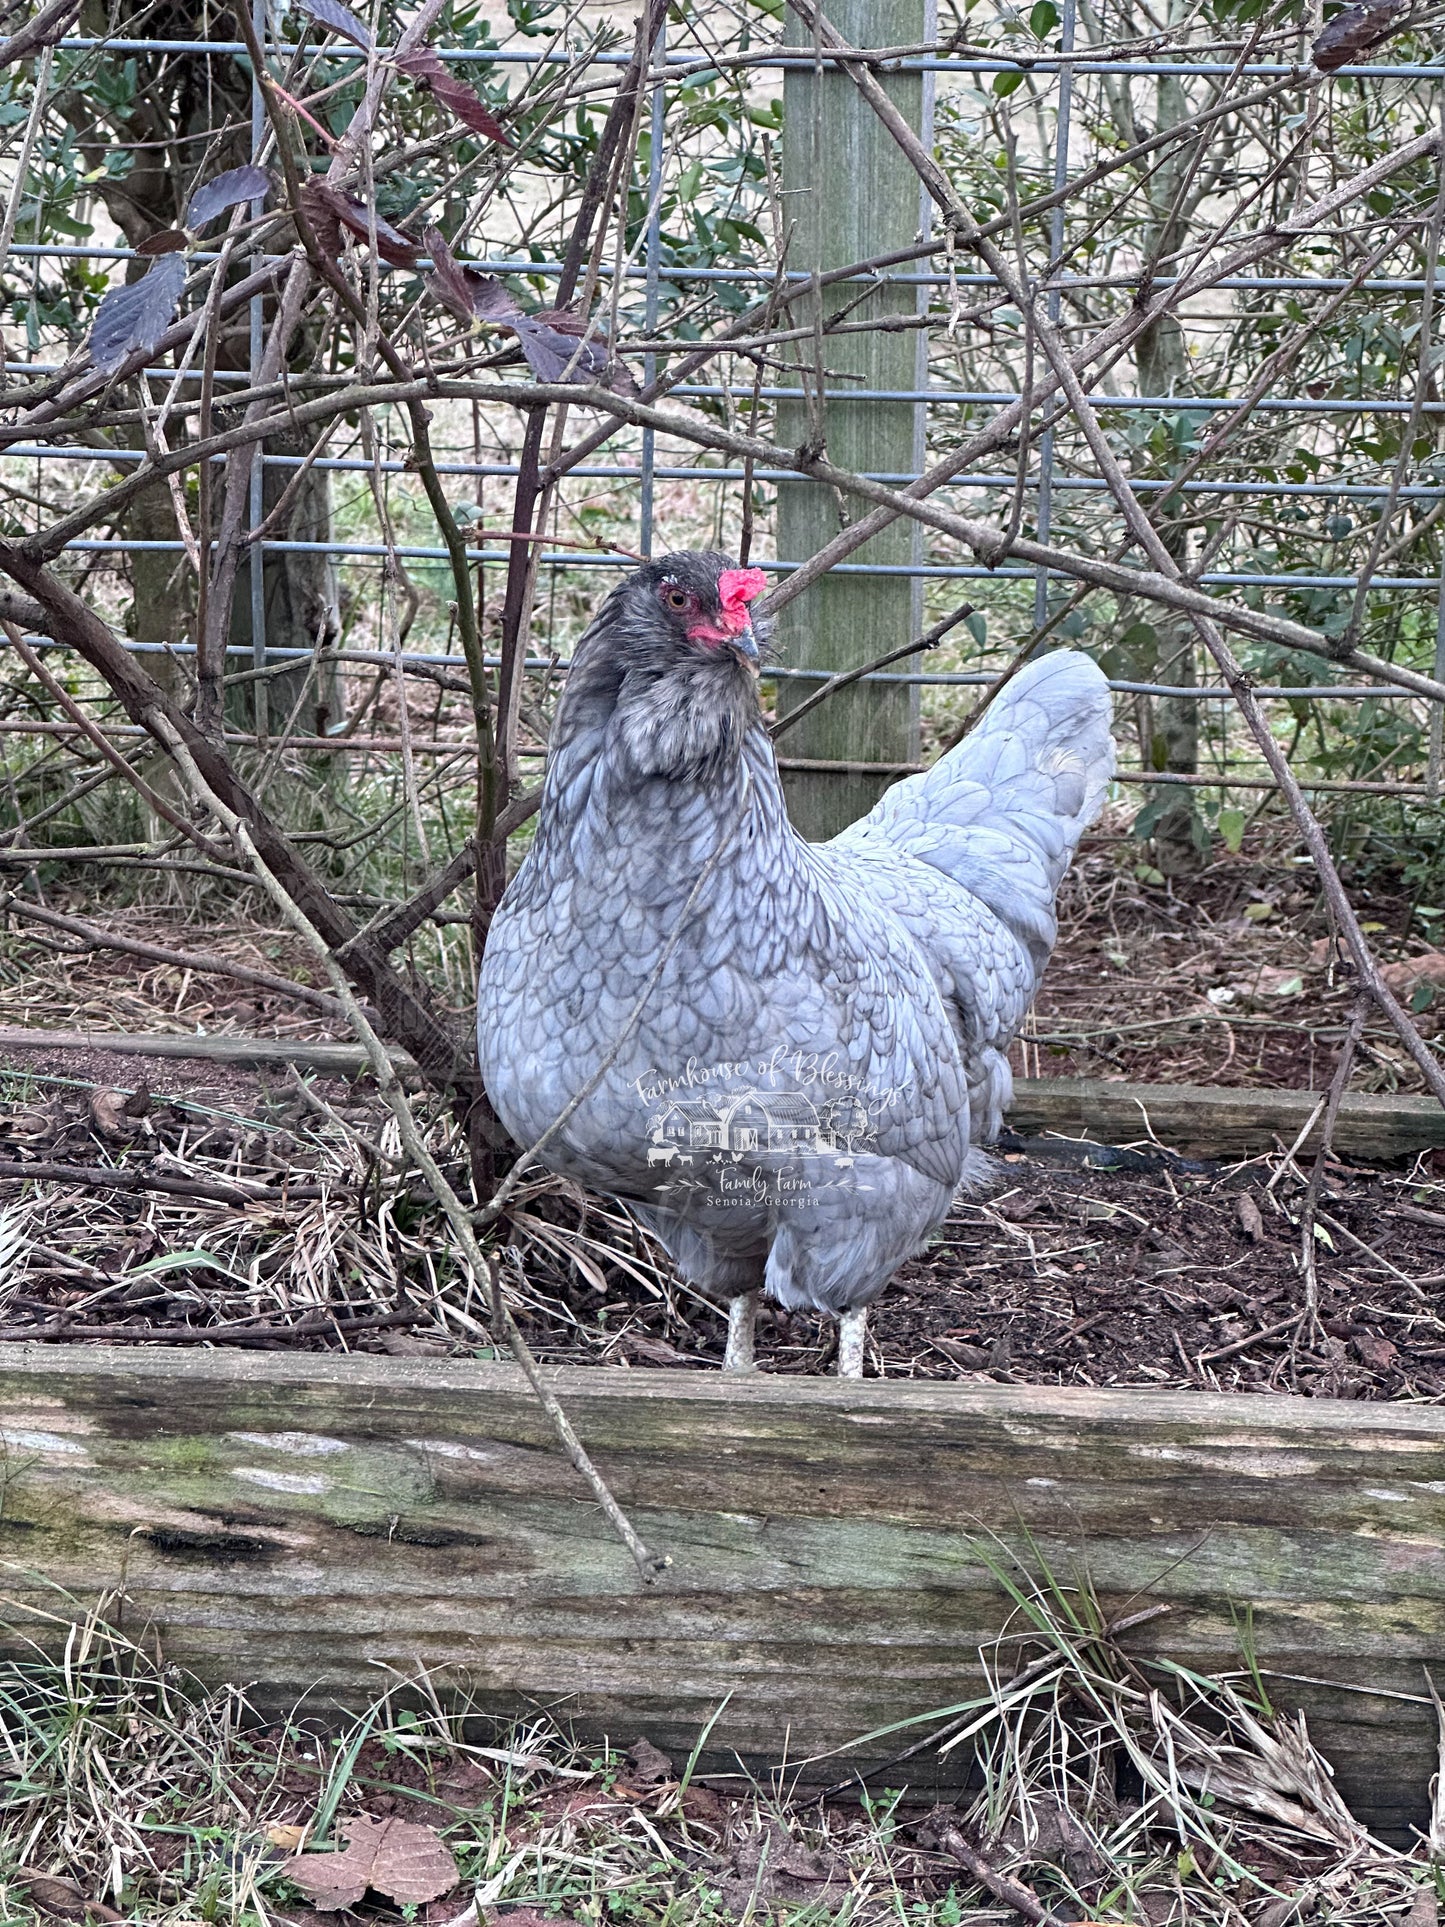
(849,195)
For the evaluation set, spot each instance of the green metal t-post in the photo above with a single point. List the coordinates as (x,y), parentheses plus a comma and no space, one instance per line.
(850,195)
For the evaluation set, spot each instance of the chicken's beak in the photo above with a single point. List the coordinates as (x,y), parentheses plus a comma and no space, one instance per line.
(746,643)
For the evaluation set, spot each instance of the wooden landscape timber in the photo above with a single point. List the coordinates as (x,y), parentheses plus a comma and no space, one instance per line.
(323,1525)
(1202,1119)
(1209,1120)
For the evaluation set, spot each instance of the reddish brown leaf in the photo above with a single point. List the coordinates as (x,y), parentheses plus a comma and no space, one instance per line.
(427,68)
(473,296)
(555,342)
(1427,968)
(410,1864)
(60,1899)
(169,241)
(330,13)
(322,219)
(1378,1353)
(394,247)
(1355,32)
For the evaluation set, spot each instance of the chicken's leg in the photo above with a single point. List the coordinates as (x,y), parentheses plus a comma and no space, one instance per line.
(852,1335)
(742,1320)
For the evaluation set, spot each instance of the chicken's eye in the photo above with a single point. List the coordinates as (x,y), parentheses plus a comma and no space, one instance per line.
(678,599)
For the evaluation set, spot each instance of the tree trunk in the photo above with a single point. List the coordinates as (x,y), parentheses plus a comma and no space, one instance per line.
(1179,841)
(1178,844)
(300,606)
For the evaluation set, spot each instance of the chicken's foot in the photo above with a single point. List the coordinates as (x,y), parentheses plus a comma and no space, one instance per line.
(852,1336)
(742,1322)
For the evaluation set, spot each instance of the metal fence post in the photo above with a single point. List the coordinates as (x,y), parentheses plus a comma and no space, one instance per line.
(657,136)
(1052,300)
(849,195)
(257,500)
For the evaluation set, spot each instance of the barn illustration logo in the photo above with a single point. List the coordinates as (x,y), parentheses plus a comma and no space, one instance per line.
(778,1130)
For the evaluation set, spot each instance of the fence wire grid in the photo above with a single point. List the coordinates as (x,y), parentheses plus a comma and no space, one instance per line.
(1354,445)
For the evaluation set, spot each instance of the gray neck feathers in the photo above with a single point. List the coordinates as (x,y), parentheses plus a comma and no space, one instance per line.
(640,702)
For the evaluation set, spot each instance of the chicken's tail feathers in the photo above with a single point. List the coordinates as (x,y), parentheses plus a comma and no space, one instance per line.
(1002,813)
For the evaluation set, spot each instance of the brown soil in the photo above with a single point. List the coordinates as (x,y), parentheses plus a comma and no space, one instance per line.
(1218,978)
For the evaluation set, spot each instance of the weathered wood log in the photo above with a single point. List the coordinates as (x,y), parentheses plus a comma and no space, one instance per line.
(1213,1122)
(248,1053)
(300,1521)
(1198,1118)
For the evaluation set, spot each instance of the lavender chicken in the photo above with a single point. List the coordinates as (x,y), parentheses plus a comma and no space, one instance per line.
(784,1057)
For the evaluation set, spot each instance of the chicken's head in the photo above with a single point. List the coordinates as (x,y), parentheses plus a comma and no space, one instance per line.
(699,598)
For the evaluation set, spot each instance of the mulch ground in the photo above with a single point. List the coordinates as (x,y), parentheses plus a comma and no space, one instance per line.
(1071,1267)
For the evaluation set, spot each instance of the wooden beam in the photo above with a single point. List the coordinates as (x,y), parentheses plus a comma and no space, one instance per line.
(303,1522)
(246,1053)
(1197,1118)
(851,195)
(1213,1122)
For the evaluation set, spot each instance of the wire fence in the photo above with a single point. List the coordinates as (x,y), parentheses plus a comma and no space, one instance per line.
(1048,477)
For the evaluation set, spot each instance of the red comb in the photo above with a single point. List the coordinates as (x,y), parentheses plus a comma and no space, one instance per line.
(737,587)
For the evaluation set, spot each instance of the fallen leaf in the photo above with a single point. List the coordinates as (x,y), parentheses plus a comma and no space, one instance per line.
(61,1898)
(1424,1909)
(1250,1221)
(108,1114)
(652,1351)
(648,1765)
(1380,1354)
(1269,981)
(1427,968)
(288,1837)
(403,1345)
(972,1358)
(407,1862)
(1275,1913)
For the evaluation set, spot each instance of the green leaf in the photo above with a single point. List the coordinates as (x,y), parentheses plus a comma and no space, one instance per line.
(194,1260)
(1006,84)
(1231,828)
(1423,998)
(1259,912)
(977,626)
(1043,18)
